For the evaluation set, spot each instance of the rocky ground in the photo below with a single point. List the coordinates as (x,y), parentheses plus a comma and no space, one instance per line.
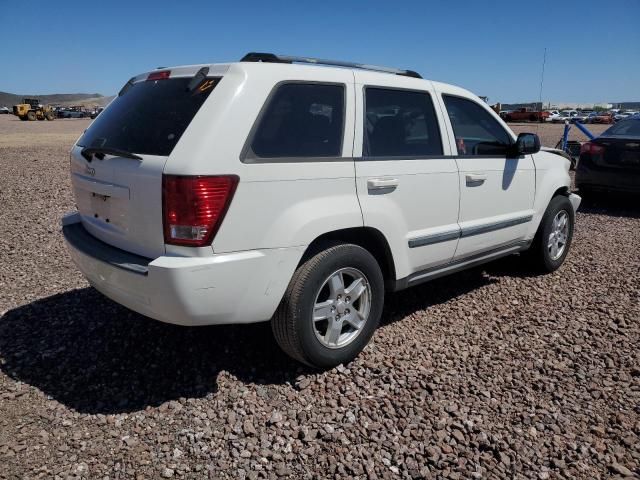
(550,134)
(491,373)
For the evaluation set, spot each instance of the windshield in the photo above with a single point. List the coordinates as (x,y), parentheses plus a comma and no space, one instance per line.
(625,128)
(148,117)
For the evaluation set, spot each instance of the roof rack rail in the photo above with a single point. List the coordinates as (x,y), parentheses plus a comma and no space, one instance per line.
(272,58)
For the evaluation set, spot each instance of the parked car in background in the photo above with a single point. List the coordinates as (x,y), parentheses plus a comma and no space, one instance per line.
(580,117)
(314,204)
(564,117)
(72,112)
(503,114)
(4,110)
(96,112)
(552,114)
(77,112)
(602,117)
(623,115)
(611,162)
(591,116)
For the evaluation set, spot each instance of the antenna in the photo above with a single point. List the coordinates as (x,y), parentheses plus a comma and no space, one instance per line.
(544,61)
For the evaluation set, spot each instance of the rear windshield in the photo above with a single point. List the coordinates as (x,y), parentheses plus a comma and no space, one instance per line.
(624,128)
(148,117)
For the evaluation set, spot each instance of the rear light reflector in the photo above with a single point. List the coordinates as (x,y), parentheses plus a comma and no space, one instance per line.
(163,75)
(591,148)
(193,207)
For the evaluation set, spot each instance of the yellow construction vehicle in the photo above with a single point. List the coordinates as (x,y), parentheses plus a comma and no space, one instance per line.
(31,109)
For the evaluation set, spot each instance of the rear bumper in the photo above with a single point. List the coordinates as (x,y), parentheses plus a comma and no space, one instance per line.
(241,287)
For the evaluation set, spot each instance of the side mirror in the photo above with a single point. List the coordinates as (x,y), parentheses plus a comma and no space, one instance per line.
(527,143)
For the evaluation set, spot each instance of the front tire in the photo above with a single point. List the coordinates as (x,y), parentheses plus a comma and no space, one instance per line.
(553,239)
(331,308)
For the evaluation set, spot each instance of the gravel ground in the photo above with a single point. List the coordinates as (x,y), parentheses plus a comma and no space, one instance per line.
(491,373)
(550,133)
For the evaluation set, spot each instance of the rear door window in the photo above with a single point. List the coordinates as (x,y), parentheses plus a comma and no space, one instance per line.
(148,117)
(400,123)
(301,121)
(477,132)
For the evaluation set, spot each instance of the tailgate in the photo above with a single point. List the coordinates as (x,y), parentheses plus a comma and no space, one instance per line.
(120,200)
(117,164)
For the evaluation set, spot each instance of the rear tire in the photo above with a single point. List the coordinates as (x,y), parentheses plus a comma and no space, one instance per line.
(552,241)
(49,116)
(31,116)
(331,308)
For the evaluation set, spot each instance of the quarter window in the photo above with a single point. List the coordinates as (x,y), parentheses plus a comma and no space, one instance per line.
(475,129)
(400,123)
(301,120)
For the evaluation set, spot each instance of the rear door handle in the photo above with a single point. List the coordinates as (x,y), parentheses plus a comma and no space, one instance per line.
(475,179)
(377,184)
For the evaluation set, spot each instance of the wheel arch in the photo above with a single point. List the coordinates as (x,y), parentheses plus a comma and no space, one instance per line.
(552,179)
(564,190)
(369,238)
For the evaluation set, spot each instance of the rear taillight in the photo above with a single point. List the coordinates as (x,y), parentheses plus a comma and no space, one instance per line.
(591,148)
(193,207)
(163,75)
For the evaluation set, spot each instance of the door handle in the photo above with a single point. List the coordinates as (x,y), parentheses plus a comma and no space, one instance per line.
(475,179)
(389,184)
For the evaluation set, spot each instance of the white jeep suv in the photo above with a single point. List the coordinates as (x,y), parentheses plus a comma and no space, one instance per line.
(278,189)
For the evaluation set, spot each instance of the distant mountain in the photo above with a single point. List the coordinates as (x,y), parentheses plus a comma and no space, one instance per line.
(87,99)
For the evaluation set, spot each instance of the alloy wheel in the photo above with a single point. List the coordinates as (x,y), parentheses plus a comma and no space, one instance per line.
(341,307)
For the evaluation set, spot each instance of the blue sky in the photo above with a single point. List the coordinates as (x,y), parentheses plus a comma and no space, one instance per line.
(493,48)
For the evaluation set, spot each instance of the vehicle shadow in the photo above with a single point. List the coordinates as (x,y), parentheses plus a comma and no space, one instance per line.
(96,356)
(435,292)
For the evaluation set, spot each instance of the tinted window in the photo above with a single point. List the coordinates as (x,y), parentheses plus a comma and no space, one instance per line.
(477,132)
(400,123)
(148,117)
(624,128)
(301,120)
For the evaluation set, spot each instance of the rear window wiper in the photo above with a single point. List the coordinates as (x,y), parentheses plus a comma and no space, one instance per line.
(100,152)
